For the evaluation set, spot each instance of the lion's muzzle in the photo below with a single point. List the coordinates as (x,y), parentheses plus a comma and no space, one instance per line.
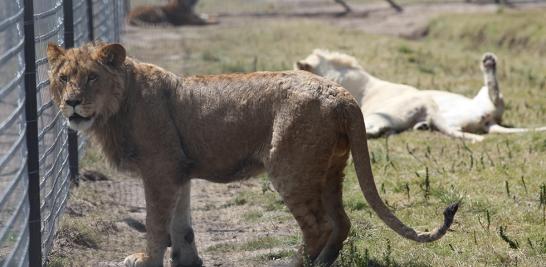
(77,118)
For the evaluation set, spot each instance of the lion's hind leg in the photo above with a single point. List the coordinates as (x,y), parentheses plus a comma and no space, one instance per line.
(378,124)
(298,164)
(439,123)
(304,202)
(333,206)
(312,193)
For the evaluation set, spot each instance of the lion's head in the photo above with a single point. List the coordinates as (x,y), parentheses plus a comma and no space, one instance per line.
(338,67)
(321,62)
(87,83)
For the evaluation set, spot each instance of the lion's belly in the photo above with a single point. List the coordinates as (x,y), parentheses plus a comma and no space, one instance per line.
(225,174)
(225,152)
(462,112)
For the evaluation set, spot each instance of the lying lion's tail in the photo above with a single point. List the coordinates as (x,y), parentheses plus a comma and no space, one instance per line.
(357,139)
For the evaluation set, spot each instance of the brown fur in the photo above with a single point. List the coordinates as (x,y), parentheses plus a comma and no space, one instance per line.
(294,125)
(175,12)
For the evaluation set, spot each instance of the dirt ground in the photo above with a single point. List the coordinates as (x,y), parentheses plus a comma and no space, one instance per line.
(116,205)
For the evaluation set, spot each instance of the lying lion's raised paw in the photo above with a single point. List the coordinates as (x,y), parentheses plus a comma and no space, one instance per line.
(489,61)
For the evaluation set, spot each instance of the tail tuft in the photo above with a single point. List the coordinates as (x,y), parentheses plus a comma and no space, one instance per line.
(449,213)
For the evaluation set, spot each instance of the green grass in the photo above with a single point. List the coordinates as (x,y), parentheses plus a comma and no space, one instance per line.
(519,32)
(79,233)
(259,243)
(275,255)
(497,181)
(252,215)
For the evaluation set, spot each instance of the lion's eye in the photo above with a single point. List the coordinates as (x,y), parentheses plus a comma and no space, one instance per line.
(63,78)
(92,77)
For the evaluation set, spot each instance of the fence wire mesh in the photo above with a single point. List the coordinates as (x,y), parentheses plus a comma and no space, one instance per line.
(81,22)
(52,134)
(106,23)
(14,207)
(53,156)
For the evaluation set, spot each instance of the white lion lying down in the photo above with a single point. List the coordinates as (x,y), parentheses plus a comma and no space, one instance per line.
(391,107)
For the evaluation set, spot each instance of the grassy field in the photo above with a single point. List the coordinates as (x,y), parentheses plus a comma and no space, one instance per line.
(500,182)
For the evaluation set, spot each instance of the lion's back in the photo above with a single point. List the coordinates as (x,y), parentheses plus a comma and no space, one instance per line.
(267,90)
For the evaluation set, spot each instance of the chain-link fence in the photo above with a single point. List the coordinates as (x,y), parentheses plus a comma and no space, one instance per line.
(38,155)
(14,208)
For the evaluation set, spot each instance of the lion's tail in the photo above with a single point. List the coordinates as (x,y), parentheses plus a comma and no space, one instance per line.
(354,121)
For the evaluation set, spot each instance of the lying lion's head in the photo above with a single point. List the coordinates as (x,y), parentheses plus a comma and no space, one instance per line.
(338,67)
(310,63)
(328,64)
(87,83)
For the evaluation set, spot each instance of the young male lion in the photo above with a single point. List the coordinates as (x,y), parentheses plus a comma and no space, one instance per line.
(296,126)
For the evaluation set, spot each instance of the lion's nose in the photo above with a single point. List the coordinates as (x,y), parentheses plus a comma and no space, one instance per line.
(73,102)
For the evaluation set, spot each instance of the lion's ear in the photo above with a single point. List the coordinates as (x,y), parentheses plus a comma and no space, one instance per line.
(54,53)
(304,66)
(111,55)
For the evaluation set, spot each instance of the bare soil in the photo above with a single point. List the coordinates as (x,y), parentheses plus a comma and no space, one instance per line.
(113,210)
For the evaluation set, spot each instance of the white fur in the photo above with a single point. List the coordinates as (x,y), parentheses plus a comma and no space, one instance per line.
(80,126)
(391,107)
(68,111)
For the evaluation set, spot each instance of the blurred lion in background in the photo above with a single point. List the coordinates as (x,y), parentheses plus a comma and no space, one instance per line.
(181,12)
(174,13)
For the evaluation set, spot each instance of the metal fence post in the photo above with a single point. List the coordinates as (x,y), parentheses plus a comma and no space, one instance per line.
(90,24)
(115,25)
(68,23)
(73,161)
(34,220)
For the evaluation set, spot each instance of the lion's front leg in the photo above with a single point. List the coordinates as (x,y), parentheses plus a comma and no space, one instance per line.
(183,251)
(160,199)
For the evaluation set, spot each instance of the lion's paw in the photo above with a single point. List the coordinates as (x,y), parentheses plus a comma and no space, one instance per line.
(135,260)
(489,61)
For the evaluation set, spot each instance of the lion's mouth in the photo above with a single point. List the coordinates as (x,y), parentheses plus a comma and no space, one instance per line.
(77,118)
